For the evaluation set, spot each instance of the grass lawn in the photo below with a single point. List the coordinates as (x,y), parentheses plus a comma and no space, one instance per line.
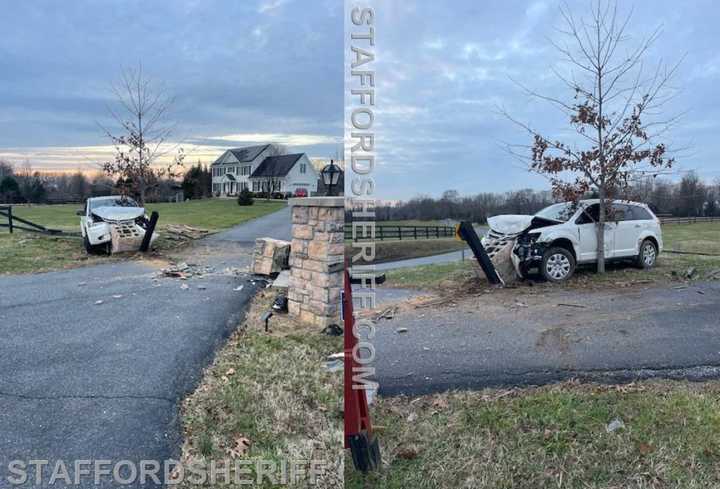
(212,214)
(700,237)
(552,436)
(29,252)
(271,393)
(402,250)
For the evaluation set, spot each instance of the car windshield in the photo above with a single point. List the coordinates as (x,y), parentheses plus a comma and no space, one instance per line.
(116,202)
(558,212)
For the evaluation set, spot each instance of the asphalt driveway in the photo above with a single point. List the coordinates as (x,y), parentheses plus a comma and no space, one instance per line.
(94,361)
(511,337)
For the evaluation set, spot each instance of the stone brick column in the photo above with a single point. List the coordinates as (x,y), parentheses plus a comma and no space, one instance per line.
(316,259)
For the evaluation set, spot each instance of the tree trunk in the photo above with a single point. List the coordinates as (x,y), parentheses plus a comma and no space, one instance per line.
(601,233)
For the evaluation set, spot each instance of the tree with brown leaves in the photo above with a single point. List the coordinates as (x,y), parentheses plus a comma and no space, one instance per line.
(615,110)
(143,138)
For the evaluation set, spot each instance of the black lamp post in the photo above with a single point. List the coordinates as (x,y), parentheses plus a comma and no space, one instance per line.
(330,175)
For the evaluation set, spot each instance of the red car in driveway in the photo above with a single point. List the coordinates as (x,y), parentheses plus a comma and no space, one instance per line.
(301,192)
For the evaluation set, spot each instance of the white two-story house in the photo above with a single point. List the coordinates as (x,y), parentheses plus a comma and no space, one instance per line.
(259,169)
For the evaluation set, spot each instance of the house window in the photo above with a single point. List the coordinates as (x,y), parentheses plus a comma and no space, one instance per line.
(245,170)
(303,167)
(256,186)
(231,169)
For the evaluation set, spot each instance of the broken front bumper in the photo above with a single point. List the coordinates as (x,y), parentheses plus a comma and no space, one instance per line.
(527,254)
(123,235)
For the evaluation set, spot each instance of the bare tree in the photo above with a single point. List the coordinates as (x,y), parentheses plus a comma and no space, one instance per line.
(144,134)
(615,110)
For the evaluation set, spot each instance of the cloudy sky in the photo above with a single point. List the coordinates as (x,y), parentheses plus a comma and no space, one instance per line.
(444,68)
(242,72)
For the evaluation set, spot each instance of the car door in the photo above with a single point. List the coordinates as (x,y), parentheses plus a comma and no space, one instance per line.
(587,234)
(627,230)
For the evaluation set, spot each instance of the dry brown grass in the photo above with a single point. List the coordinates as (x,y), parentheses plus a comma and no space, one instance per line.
(552,436)
(270,389)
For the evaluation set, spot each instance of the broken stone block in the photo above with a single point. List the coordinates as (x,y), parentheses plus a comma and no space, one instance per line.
(500,253)
(270,256)
(126,237)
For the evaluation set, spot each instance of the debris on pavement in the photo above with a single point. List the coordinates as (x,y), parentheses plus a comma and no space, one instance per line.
(388,313)
(401,330)
(97,303)
(184,270)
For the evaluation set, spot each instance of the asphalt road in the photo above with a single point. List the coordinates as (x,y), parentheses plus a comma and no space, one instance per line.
(508,338)
(84,379)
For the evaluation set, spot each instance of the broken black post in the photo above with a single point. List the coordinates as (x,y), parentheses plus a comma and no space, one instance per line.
(149,231)
(10,219)
(468,234)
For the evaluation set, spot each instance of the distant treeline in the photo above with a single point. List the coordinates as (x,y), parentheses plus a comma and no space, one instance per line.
(690,197)
(24,185)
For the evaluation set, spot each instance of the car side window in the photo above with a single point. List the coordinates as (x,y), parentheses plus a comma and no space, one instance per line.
(620,212)
(594,215)
(640,214)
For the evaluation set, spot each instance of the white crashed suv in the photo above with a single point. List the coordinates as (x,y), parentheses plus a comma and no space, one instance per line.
(561,236)
(115,214)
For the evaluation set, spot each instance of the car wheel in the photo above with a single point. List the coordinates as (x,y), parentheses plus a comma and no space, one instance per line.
(558,264)
(648,254)
(88,247)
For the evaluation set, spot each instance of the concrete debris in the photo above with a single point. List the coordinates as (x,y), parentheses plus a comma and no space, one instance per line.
(126,236)
(401,330)
(117,296)
(238,288)
(180,232)
(183,271)
(334,365)
(271,256)
(614,425)
(184,286)
(97,303)
(282,281)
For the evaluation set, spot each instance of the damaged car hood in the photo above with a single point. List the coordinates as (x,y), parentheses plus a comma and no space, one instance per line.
(516,224)
(112,213)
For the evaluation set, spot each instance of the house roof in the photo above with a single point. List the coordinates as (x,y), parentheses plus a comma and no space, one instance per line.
(244,155)
(276,166)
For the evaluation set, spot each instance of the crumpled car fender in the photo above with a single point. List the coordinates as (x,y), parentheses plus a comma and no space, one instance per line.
(553,235)
(98,233)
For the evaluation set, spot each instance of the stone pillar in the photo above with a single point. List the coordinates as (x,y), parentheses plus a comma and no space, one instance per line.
(316,259)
